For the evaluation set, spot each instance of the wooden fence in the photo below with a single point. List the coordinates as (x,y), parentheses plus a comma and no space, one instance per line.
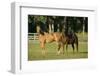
(33,36)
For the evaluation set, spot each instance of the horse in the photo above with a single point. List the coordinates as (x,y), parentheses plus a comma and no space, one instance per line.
(45,37)
(70,40)
(61,39)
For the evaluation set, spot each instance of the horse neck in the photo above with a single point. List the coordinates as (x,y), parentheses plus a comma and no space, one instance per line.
(65,32)
(45,33)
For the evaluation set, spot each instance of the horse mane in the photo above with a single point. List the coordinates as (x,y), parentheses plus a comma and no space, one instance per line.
(41,32)
(66,32)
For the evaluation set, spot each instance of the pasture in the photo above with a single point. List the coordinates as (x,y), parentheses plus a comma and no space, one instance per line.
(35,52)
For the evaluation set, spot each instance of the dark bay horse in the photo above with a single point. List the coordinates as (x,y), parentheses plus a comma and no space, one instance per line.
(67,40)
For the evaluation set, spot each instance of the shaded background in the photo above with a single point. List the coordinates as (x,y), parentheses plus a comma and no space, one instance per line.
(78,24)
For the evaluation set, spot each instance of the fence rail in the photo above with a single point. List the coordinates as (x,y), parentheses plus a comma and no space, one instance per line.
(33,36)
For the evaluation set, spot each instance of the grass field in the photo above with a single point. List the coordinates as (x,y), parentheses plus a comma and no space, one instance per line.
(35,52)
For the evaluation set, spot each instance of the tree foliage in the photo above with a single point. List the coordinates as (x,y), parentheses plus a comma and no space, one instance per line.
(76,23)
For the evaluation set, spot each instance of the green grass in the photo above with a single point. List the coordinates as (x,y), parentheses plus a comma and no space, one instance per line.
(35,52)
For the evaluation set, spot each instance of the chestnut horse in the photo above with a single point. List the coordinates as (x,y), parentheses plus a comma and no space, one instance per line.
(48,38)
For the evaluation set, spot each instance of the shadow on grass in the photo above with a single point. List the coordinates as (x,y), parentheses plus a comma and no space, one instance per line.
(83,52)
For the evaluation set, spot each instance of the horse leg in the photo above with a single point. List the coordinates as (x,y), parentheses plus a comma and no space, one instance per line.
(63,48)
(73,47)
(76,42)
(43,49)
(59,46)
(67,48)
(77,46)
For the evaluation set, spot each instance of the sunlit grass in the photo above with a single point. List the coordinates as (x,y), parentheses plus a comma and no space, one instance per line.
(35,52)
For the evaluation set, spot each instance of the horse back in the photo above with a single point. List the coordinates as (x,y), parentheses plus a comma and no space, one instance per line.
(57,36)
